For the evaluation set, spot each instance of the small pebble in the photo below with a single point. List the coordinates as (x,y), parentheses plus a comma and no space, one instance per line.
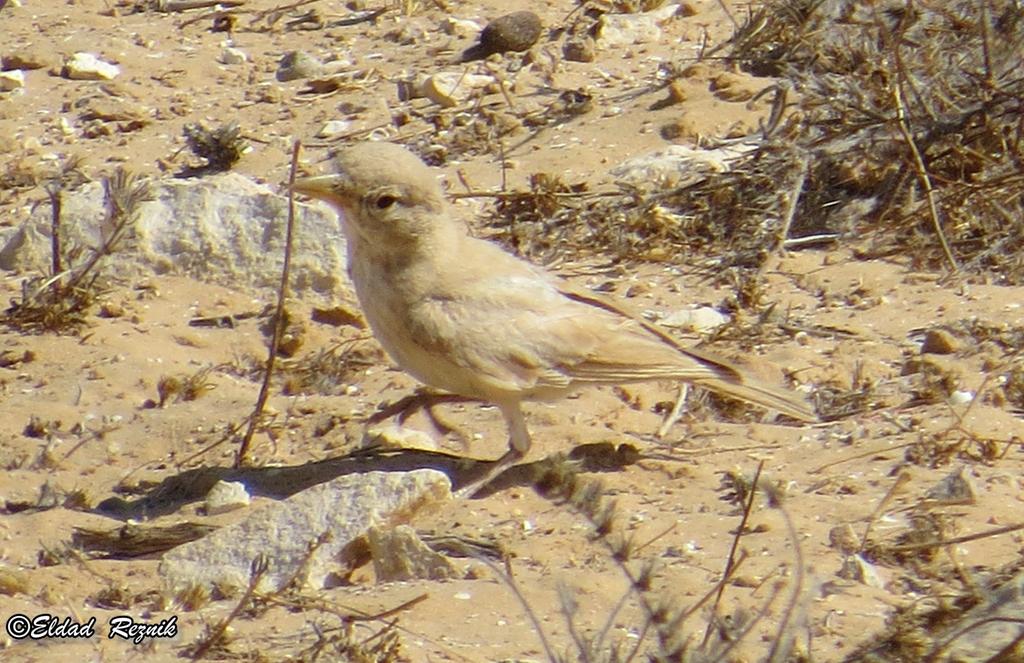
(232,55)
(12,80)
(88,67)
(939,342)
(297,65)
(579,49)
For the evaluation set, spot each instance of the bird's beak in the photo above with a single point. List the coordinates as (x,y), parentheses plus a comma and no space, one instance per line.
(324,187)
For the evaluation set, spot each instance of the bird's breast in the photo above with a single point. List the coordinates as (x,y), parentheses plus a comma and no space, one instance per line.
(390,303)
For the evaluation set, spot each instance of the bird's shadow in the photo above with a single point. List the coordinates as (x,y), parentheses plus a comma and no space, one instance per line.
(281,482)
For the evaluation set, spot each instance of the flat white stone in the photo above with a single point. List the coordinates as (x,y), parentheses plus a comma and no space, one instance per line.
(325,519)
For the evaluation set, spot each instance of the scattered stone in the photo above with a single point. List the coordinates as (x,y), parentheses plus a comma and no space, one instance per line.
(954,489)
(843,539)
(628,29)
(393,436)
(298,65)
(226,496)
(459,27)
(579,49)
(517,32)
(126,114)
(222,228)
(334,128)
(678,165)
(12,80)
(399,555)
(338,316)
(857,568)
(939,342)
(699,319)
(231,56)
(961,398)
(111,310)
(29,58)
(730,86)
(449,88)
(89,67)
(307,537)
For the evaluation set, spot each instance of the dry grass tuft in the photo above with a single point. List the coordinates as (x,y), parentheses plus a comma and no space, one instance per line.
(219,148)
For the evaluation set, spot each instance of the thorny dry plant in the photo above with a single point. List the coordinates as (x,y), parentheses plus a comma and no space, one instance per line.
(219,148)
(664,618)
(323,371)
(60,301)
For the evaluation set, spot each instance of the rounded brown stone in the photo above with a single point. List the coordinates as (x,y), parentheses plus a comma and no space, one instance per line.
(517,31)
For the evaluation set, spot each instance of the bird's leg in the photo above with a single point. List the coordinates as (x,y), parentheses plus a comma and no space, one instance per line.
(421,399)
(518,435)
(677,411)
(518,444)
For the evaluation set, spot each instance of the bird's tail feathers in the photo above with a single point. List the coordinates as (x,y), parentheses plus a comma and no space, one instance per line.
(785,402)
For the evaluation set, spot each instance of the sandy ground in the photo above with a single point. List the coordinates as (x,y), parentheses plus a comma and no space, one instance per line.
(88,393)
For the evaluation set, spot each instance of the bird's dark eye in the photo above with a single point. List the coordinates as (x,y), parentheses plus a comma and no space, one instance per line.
(385,201)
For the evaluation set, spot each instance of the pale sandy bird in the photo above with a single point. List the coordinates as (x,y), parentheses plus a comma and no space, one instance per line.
(460,314)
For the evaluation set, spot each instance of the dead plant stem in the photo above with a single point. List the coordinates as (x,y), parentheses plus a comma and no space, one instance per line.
(54,193)
(731,559)
(792,204)
(923,176)
(282,291)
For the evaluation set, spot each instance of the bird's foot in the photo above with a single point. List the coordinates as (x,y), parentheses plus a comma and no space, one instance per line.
(488,472)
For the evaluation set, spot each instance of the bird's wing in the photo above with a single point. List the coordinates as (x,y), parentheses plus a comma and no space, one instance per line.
(523,330)
(724,376)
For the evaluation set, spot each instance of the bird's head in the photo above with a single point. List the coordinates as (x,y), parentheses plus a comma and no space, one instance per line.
(384,193)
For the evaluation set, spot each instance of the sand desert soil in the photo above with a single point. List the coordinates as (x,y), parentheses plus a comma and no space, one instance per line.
(75,423)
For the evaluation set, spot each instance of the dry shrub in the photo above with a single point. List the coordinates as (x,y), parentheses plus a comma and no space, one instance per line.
(905,123)
(59,301)
(880,84)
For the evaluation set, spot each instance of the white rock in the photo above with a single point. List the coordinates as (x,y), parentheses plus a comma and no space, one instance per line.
(460,27)
(334,128)
(628,29)
(223,229)
(12,80)
(961,398)
(327,517)
(231,55)
(89,67)
(226,496)
(449,88)
(699,319)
